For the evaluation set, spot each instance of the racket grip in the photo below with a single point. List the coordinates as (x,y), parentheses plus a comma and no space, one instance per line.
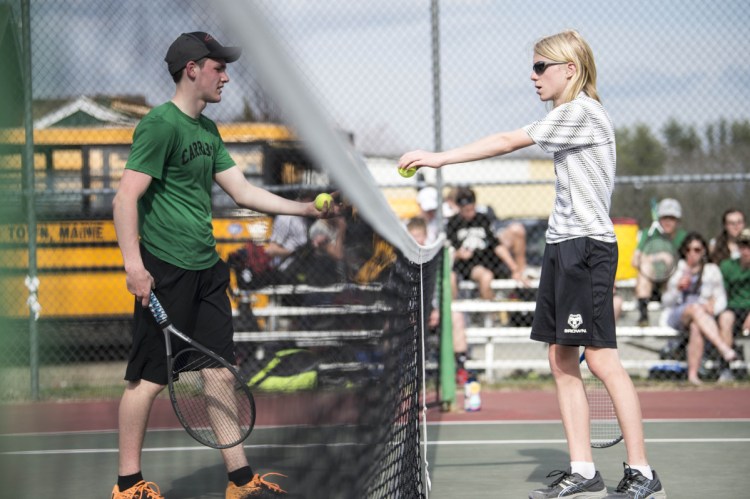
(157,310)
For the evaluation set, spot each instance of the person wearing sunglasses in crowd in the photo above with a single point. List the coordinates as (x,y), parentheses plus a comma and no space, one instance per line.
(574,305)
(693,298)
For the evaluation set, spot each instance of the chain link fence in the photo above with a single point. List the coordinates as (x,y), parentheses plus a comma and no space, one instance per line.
(394,76)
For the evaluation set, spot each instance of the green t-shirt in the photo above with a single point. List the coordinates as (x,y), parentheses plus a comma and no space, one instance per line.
(182,155)
(736,282)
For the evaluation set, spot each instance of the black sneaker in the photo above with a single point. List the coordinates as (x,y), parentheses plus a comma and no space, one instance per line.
(572,485)
(636,486)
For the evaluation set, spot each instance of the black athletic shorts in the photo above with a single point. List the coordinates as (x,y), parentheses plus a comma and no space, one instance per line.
(487,259)
(574,304)
(197,304)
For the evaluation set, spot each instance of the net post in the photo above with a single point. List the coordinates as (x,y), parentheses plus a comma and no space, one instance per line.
(447,356)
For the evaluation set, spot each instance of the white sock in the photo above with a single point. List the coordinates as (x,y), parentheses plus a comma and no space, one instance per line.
(586,470)
(645,471)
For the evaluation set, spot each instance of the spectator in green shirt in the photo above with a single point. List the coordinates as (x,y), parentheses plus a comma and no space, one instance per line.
(736,274)
(669,214)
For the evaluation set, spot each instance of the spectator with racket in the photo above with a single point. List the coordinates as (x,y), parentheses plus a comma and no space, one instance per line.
(656,255)
(162,215)
(574,305)
(693,298)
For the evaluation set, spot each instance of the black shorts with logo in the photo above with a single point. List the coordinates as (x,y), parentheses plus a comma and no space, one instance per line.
(197,304)
(574,304)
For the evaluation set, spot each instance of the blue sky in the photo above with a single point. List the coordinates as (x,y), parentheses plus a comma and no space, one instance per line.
(369,61)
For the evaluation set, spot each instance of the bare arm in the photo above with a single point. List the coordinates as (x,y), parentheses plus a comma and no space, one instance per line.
(125,213)
(249,196)
(275,249)
(488,147)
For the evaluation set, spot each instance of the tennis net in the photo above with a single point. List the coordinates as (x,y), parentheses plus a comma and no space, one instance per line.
(339,337)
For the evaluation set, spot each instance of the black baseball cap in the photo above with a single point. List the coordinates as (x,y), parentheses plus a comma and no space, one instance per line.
(195,46)
(465,196)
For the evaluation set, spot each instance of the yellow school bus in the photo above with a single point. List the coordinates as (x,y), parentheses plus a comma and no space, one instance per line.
(77,171)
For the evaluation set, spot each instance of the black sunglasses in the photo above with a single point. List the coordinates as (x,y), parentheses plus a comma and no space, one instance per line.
(541,66)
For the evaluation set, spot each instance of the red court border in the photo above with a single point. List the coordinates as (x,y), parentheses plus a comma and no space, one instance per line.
(497,405)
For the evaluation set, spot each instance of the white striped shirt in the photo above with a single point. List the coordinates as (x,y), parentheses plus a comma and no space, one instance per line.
(582,138)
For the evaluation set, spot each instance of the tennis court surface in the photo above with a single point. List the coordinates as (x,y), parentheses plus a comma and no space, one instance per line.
(697,440)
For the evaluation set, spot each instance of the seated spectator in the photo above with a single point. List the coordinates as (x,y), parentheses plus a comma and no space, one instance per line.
(669,213)
(478,255)
(736,274)
(694,296)
(289,233)
(320,261)
(724,245)
(512,235)
(327,237)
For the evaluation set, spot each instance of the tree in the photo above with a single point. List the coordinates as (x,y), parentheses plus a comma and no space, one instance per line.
(681,139)
(639,152)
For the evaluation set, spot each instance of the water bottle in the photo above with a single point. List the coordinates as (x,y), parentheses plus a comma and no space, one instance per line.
(472,398)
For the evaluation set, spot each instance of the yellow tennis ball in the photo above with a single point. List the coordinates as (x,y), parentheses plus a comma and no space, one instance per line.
(407,172)
(321,199)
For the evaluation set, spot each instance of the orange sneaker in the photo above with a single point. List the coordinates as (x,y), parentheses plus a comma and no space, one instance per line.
(257,487)
(141,490)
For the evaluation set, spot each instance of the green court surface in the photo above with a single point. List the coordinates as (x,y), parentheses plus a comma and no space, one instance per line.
(695,459)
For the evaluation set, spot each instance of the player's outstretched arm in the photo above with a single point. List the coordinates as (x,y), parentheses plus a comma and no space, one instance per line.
(488,147)
(255,198)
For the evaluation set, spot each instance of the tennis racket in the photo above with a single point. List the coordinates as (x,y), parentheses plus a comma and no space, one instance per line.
(604,428)
(658,259)
(209,397)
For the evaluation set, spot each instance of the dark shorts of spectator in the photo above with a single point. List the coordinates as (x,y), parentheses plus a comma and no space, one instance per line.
(197,304)
(574,303)
(487,259)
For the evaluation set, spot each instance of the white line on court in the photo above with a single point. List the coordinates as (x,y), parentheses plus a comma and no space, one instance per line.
(429,423)
(348,444)
(557,421)
(562,441)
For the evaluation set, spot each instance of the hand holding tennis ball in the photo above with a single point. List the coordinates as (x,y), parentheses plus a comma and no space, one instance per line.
(323,200)
(407,172)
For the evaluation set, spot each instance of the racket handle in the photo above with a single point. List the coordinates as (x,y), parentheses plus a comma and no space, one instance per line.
(157,310)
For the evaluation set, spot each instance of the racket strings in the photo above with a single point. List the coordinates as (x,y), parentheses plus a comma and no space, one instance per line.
(604,427)
(658,259)
(210,400)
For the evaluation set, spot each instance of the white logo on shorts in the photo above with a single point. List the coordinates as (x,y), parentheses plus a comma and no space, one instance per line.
(574,321)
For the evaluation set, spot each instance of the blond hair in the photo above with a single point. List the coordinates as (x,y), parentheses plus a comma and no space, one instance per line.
(569,46)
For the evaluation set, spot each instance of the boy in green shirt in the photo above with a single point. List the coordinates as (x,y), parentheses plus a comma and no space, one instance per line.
(162,215)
